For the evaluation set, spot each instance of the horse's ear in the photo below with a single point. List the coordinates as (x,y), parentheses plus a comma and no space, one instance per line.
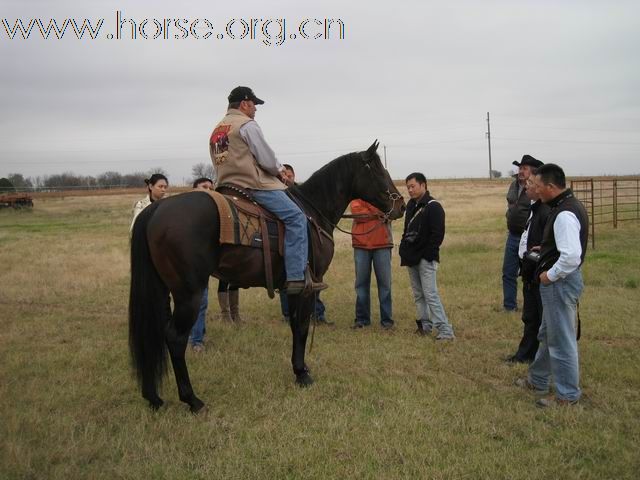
(374,146)
(371,151)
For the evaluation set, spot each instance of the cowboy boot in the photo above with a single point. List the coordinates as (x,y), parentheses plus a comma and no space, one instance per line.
(223,300)
(234,298)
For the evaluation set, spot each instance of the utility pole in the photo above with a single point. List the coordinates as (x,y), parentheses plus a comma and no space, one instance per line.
(385,156)
(489,142)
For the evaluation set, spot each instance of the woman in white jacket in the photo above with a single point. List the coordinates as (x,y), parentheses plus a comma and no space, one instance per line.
(157,188)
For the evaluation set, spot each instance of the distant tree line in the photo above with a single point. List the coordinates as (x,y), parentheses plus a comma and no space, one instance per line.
(68,180)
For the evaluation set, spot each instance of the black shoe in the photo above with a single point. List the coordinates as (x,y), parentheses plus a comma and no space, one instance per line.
(358,325)
(420,330)
(515,359)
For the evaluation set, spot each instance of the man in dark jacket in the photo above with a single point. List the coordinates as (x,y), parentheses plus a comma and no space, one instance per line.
(518,208)
(420,251)
(562,253)
(530,247)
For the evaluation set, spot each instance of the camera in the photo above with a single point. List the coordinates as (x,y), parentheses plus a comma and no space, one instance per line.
(532,256)
(411,237)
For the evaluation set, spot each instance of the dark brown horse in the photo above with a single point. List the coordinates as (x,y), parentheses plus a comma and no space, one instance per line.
(174,250)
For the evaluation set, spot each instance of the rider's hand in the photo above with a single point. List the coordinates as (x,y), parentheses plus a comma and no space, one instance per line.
(284,179)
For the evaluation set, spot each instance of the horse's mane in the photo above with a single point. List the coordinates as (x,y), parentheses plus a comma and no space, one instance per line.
(330,187)
(335,170)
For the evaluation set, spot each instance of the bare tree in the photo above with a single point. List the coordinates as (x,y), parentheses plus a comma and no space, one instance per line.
(19,182)
(110,179)
(159,170)
(200,170)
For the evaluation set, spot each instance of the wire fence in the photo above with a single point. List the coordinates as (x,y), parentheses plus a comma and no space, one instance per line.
(608,201)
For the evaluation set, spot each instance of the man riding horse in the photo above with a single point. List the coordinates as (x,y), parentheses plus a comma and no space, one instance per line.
(176,247)
(242,157)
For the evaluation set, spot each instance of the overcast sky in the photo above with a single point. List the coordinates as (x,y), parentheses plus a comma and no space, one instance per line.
(561,80)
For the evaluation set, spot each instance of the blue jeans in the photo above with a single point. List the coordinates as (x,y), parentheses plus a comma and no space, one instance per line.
(319,308)
(427,299)
(510,267)
(381,261)
(557,354)
(295,233)
(197,332)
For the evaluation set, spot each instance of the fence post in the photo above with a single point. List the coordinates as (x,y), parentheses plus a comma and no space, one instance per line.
(593,218)
(615,204)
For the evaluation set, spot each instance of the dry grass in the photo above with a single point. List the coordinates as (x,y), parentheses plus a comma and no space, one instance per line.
(385,405)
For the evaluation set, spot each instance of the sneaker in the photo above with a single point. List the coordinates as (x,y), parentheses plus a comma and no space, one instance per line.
(387,326)
(358,325)
(527,385)
(443,337)
(199,348)
(297,286)
(554,402)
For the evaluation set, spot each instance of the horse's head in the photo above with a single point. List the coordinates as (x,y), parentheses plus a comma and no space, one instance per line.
(373,184)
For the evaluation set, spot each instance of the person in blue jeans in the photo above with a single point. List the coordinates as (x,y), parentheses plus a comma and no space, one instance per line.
(562,253)
(518,209)
(242,157)
(424,226)
(198,330)
(372,242)
(319,309)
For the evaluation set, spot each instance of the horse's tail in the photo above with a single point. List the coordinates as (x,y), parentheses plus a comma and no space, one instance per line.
(149,308)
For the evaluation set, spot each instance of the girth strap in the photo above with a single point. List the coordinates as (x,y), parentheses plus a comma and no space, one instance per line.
(266,253)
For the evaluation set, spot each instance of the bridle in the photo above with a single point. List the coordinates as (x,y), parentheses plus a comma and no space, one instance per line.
(393,196)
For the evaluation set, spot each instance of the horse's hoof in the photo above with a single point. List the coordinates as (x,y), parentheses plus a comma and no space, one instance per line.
(156,404)
(304,380)
(198,407)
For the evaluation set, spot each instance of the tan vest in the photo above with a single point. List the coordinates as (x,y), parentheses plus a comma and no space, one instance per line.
(232,159)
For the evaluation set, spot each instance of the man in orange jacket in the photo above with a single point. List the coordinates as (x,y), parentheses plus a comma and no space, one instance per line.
(372,244)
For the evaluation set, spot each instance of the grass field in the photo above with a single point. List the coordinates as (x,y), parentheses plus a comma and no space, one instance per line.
(385,405)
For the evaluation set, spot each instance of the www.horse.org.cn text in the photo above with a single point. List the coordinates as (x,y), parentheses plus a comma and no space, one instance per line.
(267,31)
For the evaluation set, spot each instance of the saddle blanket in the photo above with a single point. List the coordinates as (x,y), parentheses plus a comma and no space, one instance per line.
(242,223)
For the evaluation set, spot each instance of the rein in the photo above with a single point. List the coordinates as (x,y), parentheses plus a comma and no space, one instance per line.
(394,197)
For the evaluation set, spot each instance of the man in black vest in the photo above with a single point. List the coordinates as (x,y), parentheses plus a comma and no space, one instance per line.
(518,209)
(529,248)
(564,244)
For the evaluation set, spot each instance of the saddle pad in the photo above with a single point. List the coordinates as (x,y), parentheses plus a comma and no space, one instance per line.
(240,223)
(226,217)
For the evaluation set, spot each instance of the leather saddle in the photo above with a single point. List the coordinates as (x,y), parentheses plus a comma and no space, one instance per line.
(245,223)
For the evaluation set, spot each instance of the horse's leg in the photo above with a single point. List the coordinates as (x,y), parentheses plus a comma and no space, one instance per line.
(184,316)
(300,308)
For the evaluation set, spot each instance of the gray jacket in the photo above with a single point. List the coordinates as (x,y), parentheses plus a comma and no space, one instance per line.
(518,208)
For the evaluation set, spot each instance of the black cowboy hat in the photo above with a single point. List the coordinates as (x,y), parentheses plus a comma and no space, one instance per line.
(528,160)
(244,93)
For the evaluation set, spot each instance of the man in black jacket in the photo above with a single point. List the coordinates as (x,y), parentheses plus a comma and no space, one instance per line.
(530,247)
(562,253)
(518,209)
(420,251)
